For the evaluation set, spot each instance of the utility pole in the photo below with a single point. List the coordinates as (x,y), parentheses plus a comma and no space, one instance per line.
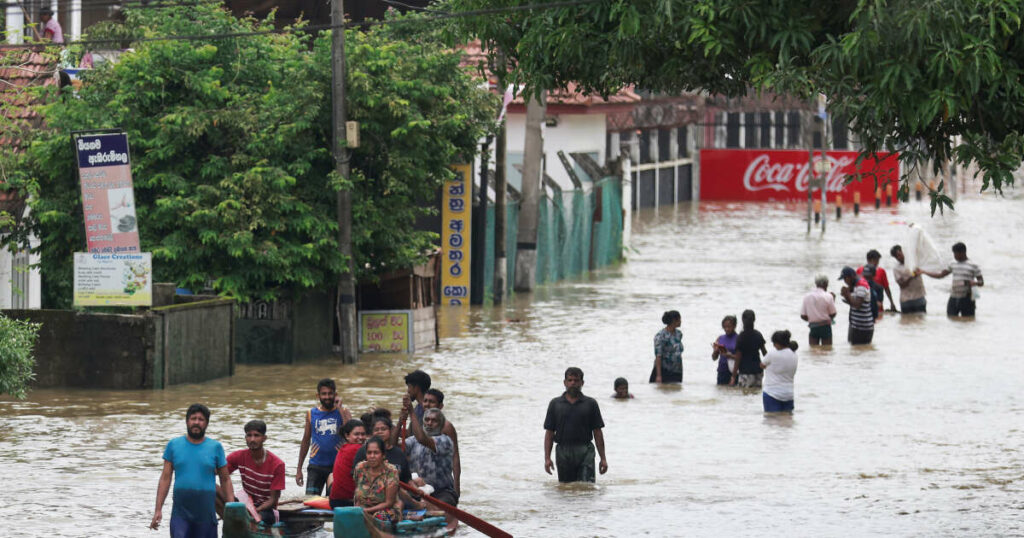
(346,303)
(529,211)
(476,283)
(500,191)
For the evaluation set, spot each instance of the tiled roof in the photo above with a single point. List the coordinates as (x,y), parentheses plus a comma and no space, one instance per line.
(20,69)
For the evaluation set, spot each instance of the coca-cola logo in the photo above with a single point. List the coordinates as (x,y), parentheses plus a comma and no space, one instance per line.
(763,174)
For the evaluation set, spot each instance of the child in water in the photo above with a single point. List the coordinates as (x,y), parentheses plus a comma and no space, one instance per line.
(622,389)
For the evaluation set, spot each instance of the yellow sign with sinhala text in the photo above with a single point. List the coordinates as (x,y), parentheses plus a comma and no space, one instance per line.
(456,210)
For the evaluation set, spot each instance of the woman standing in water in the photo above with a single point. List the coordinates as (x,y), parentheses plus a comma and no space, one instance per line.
(724,350)
(779,369)
(668,350)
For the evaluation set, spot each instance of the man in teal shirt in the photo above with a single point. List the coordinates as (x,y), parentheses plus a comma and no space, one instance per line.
(197,461)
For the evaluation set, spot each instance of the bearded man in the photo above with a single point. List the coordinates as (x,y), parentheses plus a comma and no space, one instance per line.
(197,461)
(431,452)
(572,421)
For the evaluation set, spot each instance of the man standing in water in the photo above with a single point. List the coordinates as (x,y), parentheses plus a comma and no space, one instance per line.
(196,461)
(880,277)
(910,282)
(321,431)
(572,421)
(857,293)
(966,275)
(818,310)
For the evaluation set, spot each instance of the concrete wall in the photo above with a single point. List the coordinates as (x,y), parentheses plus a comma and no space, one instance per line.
(287,330)
(574,133)
(195,342)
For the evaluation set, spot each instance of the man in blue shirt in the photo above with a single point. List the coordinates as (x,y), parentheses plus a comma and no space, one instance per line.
(196,460)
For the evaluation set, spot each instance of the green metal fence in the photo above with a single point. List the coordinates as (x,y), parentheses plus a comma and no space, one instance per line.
(577,231)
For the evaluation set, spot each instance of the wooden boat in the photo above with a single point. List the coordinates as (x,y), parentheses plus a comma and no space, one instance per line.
(349,522)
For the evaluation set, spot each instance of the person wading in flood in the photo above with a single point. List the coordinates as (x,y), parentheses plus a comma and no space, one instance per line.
(857,293)
(880,278)
(668,350)
(321,426)
(966,275)
(572,421)
(197,461)
(818,310)
(749,349)
(911,284)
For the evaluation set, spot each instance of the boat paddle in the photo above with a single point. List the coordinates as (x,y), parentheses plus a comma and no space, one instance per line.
(461,515)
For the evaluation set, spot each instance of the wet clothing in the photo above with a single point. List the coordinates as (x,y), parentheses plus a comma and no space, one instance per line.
(772,405)
(749,344)
(316,479)
(343,486)
(963,271)
(861,317)
(748,381)
(915,306)
(960,307)
(573,422)
(669,346)
(372,490)
(821,332)
(183,528)
(324,438)
(395,457)
(860,336)
(195,478)
(914,288)
(258,480)
(575,463)
(819,307)
(725,364)
(434,467)
(780,369)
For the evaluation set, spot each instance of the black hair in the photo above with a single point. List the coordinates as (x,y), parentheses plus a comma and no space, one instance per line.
(418,378)
(379,418)
(670,316)
(572,370)
(437,394)
(367,420)
(748,319)
(198,408)
(620,381)
(731,318)
(379,442)
(351,425)
(46,11)
(894,250)
(382,412)
(256,426)
(873,254)
(782,338)
(326,382)
(960,247)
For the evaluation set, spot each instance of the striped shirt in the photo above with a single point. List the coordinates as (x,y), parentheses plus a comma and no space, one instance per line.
(860,317)
(965,270)
(258,480)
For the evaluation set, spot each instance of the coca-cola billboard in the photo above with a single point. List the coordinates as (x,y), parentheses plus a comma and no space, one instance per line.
(755,174)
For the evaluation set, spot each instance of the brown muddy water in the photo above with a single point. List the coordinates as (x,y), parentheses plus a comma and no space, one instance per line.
(919,434)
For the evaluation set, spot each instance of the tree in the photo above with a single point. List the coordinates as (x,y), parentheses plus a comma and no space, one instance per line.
(230,152)
(17,340)
(938,79)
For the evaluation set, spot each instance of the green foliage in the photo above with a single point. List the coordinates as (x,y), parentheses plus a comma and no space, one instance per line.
(930,79)
(230,141)
(17,340)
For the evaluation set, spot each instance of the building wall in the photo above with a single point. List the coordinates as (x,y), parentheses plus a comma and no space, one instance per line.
(574,133)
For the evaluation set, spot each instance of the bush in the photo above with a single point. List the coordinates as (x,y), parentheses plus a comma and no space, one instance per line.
(17,340)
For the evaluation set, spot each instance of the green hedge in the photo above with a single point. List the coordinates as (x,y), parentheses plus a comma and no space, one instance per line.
(17,340)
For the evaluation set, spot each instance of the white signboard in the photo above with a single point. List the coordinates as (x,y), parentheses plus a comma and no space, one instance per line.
(113,279)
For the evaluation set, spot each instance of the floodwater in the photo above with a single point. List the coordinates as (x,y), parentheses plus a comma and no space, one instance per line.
(919,434)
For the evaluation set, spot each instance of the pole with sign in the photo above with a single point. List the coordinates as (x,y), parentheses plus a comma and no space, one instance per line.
(456,233)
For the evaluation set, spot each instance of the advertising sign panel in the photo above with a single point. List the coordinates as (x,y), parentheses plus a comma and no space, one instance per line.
(386,331)
(782,175)
(108,200)
(113,279)
(456,206)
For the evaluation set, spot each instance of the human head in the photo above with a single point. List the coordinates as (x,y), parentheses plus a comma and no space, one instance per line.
(367,420)
(848,275)
(748,319)
(621,387)
(197,418)
(45,14)
(375,450)
(381,427)
(353,431)
(781,339)
(729,324)
(255,434)
(433,398)
(868,272)
(821,281)
(573,381)
(417,382)
(382,412)
(896,252)
(960,252)
(873,257)
(670,317)
(326,392)
(433,421)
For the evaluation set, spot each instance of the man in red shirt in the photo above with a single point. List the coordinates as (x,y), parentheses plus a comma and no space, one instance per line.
(881,278)
(262,472)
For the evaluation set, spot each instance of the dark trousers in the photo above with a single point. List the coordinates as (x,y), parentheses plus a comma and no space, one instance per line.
(860,336)
(316,479)
(911,307)
(960,306)
(575,463)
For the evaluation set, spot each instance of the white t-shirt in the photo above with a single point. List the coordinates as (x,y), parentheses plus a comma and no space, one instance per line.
(780,367)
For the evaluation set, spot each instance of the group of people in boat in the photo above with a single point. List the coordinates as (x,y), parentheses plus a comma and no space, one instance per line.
(354,462)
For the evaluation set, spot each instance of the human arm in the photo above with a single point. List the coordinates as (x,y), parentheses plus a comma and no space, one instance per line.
(161,494)
(892,303)
(403,415)
(980,282)
(390,495)
(449,430)
(599,442)
(271,502)
(303,449)
(549,441)
(417,430)
(736,366)
(940,274)
(225,484)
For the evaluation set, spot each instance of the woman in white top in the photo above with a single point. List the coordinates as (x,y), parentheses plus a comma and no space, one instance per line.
(779,369)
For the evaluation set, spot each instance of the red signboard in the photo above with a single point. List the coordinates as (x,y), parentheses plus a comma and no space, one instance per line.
(782,175)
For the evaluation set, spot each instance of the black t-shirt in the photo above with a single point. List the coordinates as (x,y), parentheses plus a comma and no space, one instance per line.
(573,423)
(395,457)
(749,343)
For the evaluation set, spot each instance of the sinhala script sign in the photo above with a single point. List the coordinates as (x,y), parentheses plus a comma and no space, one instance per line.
(113,279)
(108,199)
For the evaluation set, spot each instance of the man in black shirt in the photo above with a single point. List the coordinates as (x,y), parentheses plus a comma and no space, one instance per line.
(572,421)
